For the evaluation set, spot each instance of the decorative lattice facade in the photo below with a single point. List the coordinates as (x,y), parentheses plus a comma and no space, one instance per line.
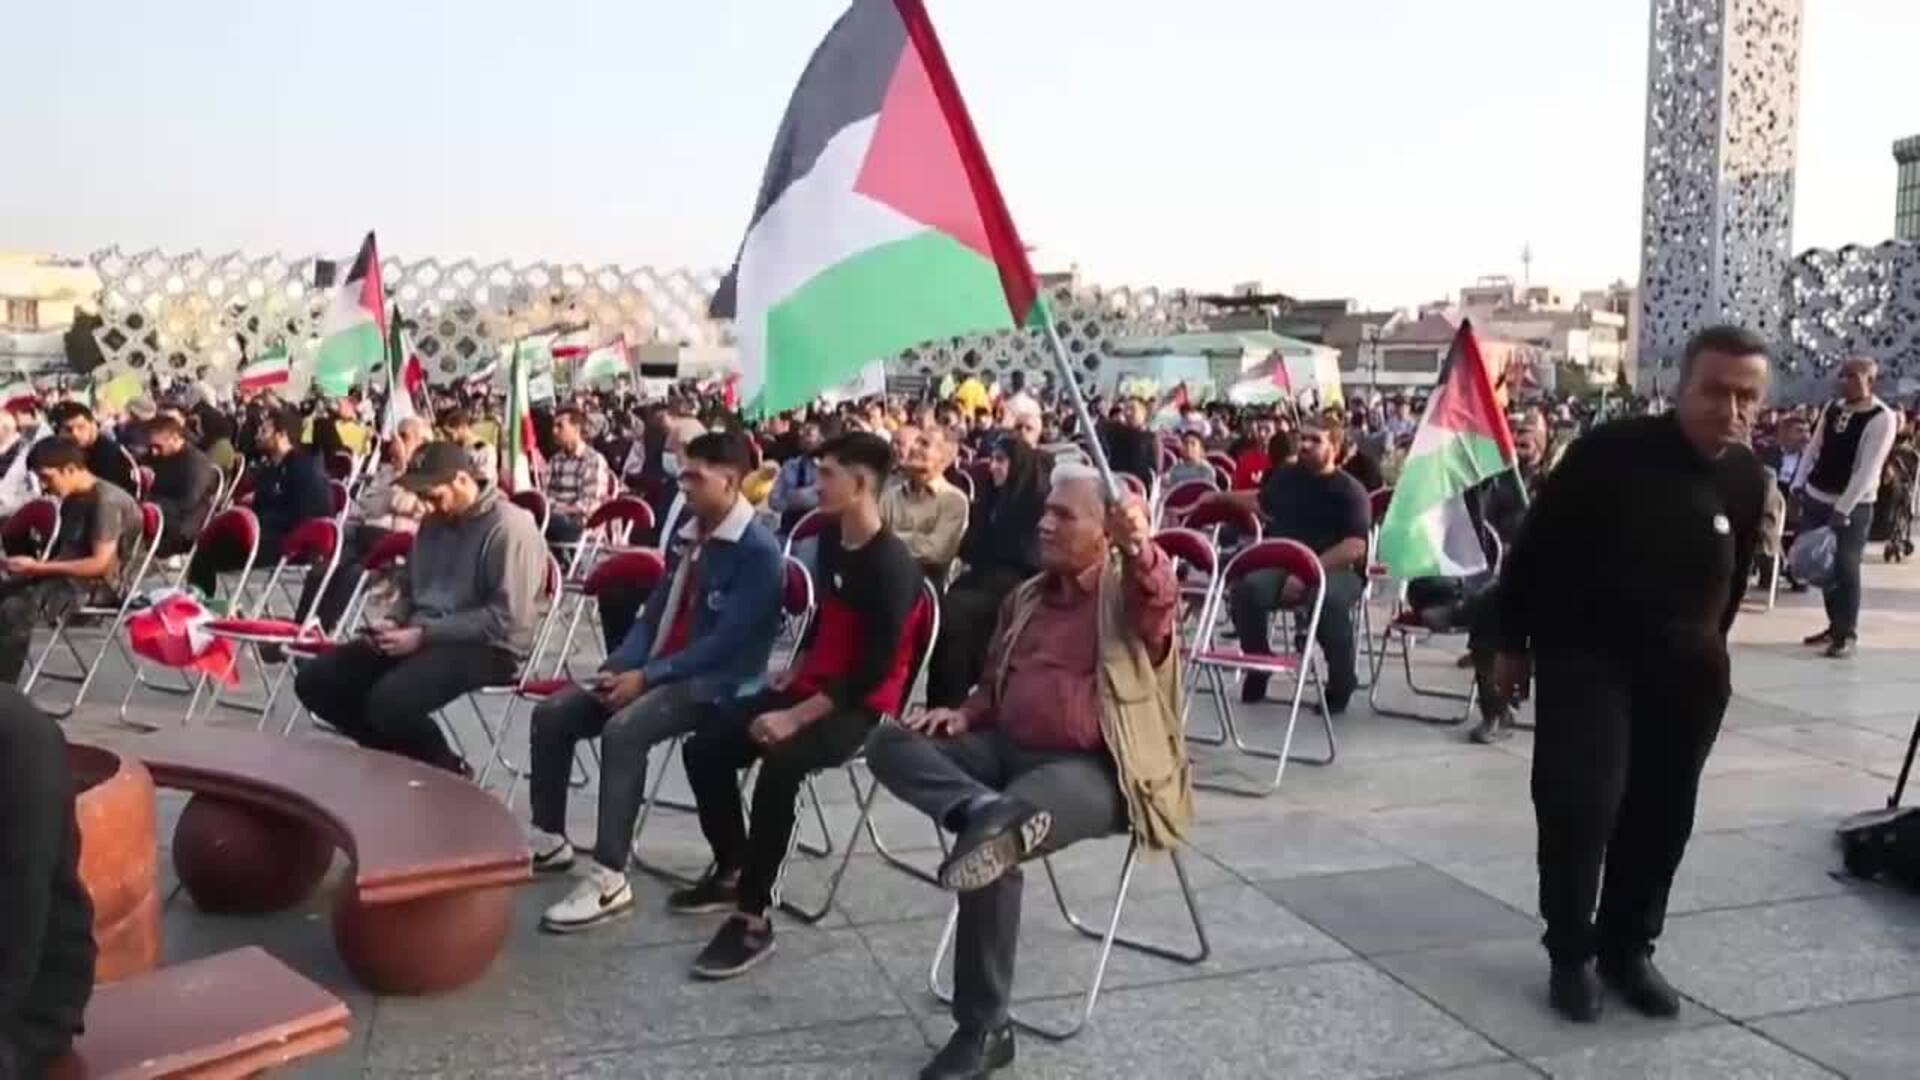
(1857,301)
(1723,90)
(193,314)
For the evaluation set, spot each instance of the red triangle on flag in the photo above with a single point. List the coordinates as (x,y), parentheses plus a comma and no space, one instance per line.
(1464,400)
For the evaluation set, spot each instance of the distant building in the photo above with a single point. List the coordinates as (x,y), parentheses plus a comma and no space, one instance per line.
(1588,340)
(1410,352)
(38,297)
(1906,199)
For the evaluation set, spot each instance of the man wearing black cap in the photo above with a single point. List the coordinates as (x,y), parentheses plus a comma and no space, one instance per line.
(1618,596)
(464,620)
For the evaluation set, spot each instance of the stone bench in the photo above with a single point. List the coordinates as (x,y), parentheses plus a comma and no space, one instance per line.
(236,1014)
(435,859)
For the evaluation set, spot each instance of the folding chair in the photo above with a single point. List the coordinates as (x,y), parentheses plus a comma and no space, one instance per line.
(535,503)
(1177,500)
(236,527)
(337,490)
(1136,487)
(643,569)
(1403,630)
(511,690)
(614,523)
(1377,575)
(312,548)
(340,466)
(115,614)
(1222,517)
(923,629)
(808,527)
(960,478)
(386,558)
(32,529)
(797,606)
(1213,662)
(1222,462)
(143,479)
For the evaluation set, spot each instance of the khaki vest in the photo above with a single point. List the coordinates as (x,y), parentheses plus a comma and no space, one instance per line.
(1139,715)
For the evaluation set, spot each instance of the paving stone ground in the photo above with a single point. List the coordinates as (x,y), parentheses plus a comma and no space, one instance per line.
(1373,919)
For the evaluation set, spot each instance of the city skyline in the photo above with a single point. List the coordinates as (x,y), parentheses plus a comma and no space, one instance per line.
(1173,155)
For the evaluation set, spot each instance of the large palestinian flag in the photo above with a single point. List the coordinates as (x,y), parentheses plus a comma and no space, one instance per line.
(1463,440)
(353,331)
(879,225)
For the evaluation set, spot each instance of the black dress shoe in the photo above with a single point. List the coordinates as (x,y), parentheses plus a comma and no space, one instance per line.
(1824,637)
(998,835)
(1574,993)
(1641,985)
(1840,648)
(972,1054)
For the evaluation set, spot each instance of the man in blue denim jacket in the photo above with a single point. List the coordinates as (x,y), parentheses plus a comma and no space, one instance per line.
(702,636)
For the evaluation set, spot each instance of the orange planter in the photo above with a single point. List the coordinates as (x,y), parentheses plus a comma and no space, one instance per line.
(119,859)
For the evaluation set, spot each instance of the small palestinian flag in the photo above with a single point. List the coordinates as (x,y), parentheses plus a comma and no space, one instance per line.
(353,332)
(268,370)
(879,225)
(606,363)
(1462,441)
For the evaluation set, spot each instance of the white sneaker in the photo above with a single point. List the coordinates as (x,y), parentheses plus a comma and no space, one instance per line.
(552,853)
(600,895)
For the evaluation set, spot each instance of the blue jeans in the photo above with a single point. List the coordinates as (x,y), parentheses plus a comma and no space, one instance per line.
(1843,593)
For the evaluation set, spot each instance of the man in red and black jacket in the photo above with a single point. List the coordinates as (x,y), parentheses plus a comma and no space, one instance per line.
(853,667)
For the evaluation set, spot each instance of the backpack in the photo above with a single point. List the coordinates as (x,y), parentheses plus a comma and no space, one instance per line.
(1886,843)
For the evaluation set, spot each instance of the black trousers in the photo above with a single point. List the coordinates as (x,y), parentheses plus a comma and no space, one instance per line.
(968,613)
(209,563)
(387,703)
(27,603)
(721,747)
(1617,753)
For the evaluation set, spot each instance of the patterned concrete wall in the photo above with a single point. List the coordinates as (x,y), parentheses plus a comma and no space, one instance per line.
(1722,126)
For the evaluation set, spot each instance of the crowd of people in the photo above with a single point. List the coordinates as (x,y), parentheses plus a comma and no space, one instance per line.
(1052,710)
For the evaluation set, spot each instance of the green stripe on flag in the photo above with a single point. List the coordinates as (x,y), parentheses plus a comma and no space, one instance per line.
(1408,544)
(875,304)
(346,356)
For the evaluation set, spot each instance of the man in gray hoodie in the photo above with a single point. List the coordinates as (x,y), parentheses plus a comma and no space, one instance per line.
(465,619)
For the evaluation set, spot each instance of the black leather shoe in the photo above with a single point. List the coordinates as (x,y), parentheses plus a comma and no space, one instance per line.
(1840,648)
(998,835)
(1641,985)
(1574,992)
(972,1054)
(1824,637)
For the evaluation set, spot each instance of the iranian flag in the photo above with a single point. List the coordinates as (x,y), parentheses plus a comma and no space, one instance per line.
(879,225)
(406,381)
(606,363)
(266,371)
(353,331)
(518,450)
(1462,441)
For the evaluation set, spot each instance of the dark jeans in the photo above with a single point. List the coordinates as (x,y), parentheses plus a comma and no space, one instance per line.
(722,747)
(387,703)
(968,613)
(1617,753)
(209,563)
(361,540)
(27,603)
(626,739)
(1079,790)
(1257,596)
(1842,594)
(565,530)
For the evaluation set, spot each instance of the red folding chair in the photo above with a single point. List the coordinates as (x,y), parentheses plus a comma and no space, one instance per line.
(114,614)
(808,527)
(340,466)
(1403,631)
(1213,661)
(337,490)
(387,558)
(312,552)
(512,690)
(1177,500)
(1196,563)
(535,503)
(619,521)
(1378,578)
(143,478)
(1221,517)
(1223,462)
(32,529)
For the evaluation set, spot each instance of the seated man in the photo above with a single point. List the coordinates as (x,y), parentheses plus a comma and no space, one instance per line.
(1320,505)
(289,489)
(1193,463)
(457,426)
(185,483)
(922,508)
(852,668)
(578,478)
(1082,654)
(797,489)
(700,640)
(382,509)
(465,619)
(99,530)
(105,457)
(46,948)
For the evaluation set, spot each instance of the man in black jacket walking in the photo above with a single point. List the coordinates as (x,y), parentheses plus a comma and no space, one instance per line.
(46,919)
(1618,596)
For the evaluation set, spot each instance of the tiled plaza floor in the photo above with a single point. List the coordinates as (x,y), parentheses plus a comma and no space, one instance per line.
(1374,919)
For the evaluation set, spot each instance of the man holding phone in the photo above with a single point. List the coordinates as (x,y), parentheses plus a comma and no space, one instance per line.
(699,640)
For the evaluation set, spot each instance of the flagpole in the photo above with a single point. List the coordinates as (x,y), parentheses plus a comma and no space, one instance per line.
(1064,365)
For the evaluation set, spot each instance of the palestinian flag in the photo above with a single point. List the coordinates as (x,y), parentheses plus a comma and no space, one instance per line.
(606,363)
(268,370)
(353,331)
(879,225)
(1462,441)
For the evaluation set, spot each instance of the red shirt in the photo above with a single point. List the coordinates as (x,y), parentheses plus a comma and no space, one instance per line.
(1250,468)
(680,629)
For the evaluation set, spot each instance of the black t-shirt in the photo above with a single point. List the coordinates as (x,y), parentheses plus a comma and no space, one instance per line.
(1365,468)
(1317,509)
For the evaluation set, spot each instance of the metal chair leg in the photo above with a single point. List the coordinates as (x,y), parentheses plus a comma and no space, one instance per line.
(1108,937)
(1406,665)
(811,915)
